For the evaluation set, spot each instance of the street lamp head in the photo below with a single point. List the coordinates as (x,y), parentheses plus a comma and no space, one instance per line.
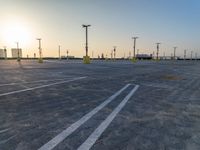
(135,37)
(84,26)
(38,38)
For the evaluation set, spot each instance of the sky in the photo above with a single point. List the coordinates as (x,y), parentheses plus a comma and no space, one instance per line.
(113,23)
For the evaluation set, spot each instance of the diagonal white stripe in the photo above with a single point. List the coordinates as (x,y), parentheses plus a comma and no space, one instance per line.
(64,134)
(42,86)
(101,128)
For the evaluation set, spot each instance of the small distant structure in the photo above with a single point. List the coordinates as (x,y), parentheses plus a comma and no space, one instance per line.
(67,57)
(3,53)
(14,52)
(144,56)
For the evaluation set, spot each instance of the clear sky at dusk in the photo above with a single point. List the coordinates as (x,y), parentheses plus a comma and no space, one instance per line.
(113,23)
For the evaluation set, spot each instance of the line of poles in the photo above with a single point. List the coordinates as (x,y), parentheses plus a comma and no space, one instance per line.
(113,52)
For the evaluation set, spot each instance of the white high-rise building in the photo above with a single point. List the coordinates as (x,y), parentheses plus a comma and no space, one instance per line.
(15,52)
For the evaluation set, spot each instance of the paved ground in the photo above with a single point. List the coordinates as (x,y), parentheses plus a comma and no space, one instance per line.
(60,105)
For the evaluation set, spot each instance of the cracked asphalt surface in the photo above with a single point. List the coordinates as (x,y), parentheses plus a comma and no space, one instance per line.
(163,114)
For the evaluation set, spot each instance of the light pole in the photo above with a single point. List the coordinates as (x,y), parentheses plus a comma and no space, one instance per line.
(86,44)
(164,55)
(196,56)
(18,57)
(158,48)
(114,50)
(40,50)
(134,46)
(67,53)
(5,52)
(111,55)
(191,54)
(185,51)
(175,52)
(59,52)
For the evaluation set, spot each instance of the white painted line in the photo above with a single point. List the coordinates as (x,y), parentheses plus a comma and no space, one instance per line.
(14,83)
(24,86)
(101,128)
(5,130)
(64,134)
(42,86)
(4,141)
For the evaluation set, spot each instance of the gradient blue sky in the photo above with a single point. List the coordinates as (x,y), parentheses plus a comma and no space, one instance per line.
(114,22)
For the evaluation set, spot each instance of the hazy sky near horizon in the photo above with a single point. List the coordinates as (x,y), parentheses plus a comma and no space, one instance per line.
(113,23)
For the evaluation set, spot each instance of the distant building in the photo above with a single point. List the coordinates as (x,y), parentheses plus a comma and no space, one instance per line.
(3,53)
(69,57)
(144,56)
(15,52)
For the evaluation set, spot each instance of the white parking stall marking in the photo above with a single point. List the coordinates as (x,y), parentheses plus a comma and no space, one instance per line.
(8,139)
(101,128)
(42,86)
(5,130)
(25,82)
(64,134)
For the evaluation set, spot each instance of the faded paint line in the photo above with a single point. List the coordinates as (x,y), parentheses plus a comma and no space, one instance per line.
(6,140)
(26,82)
(42,86)
(5,130)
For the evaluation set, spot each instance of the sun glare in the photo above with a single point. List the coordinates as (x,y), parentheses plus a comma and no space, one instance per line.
(16,32)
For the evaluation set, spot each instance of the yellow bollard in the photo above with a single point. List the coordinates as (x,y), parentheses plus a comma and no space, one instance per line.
(86,59)
(40,60)
(133,60)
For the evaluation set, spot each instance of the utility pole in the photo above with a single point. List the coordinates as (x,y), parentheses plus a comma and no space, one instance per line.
(5,52)
(59,52)
(185,51)
(175,52)
(164,56)
(67,53)
(191,54)
(40,51)
(134,46)
(196,55)
(18,57)
(114,50)
(86,31)
(111,55)
(157,53)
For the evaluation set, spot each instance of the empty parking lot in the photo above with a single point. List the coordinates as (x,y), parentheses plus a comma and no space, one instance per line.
(118,105)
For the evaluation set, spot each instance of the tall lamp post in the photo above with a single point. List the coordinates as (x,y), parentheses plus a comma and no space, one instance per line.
(86,59)
(5,52)
(18,57)
(114,50)
(134,46)
(67,53)
(175,52)
(86,33)
(191,55)
(158,48)
(59,52)
(40,50)
(185,52)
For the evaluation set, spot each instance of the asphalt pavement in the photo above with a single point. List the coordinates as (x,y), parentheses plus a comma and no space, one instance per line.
(105,105)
